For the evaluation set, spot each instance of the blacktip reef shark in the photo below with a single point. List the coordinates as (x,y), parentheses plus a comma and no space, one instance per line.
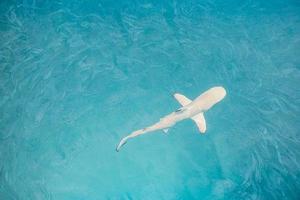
(190,109)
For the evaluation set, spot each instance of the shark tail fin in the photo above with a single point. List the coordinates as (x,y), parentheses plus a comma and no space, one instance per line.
(122,142)
(200,122)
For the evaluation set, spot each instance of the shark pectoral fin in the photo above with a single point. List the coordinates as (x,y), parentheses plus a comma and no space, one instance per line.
(182,99)
(200,122)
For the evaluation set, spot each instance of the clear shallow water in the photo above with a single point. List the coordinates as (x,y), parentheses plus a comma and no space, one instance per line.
(76,77)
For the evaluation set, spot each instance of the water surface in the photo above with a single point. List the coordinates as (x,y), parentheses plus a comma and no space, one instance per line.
(76,76)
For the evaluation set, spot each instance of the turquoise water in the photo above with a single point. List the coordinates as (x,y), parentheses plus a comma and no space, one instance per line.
(76,77)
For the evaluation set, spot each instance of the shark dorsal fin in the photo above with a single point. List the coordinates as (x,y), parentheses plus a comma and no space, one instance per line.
(200,122)
(183,100)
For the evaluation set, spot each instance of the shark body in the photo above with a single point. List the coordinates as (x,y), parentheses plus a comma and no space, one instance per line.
(190,109)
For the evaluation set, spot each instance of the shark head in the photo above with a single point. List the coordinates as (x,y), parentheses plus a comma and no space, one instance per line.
(219,93)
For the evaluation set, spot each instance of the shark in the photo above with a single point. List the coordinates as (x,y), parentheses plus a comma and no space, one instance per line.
(191,109)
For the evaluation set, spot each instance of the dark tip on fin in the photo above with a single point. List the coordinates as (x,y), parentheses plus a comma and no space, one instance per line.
(118,147)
